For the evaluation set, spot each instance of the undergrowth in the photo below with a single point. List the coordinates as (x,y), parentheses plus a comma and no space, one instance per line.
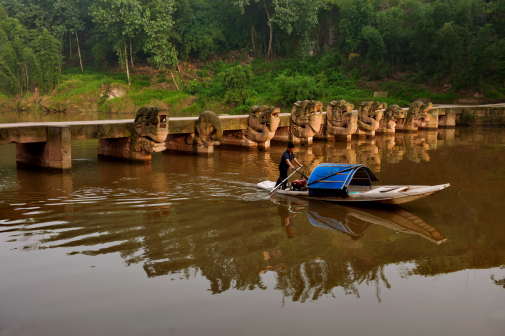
(233,87)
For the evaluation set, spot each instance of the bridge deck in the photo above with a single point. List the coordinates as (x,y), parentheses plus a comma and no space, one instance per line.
(30,132)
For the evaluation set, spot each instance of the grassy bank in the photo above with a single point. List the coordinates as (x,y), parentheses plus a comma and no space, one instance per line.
(224,87)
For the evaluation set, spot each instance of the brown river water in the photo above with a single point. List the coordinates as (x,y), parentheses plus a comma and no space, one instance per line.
(187,245)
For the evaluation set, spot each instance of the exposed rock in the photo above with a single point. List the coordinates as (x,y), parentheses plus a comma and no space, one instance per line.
(111,91)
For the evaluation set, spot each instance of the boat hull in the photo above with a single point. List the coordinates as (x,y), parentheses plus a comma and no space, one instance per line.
(396,195)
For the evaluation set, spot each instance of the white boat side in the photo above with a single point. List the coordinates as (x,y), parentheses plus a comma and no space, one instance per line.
(394,194)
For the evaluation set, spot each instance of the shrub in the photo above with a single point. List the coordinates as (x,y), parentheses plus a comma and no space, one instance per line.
(290,89)
(237,80)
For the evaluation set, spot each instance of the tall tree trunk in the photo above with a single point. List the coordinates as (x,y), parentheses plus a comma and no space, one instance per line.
(271,31)
(171,74)
(70,44)
(126,61)
(131,53)
(330,33)
(78,48)
(252,40)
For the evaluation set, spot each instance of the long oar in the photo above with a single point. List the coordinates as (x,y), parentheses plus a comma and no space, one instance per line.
(274,190)
(303,175)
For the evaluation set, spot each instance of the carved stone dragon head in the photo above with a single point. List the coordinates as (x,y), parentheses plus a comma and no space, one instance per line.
(151,126)
(306,118)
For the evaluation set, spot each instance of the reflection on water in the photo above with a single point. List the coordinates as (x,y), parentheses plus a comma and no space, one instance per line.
(202,220)
(354,220)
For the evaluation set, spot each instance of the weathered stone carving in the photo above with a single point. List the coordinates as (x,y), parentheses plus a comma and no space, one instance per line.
(369,116)
(208,129)
(306,119)
(423,115)
(262,123)
(391,115)
(152,123)
(340,119)
(407,124)
(150,129)
(207,133)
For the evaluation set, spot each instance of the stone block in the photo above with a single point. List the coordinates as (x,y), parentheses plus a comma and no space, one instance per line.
(120,148)
(55,153)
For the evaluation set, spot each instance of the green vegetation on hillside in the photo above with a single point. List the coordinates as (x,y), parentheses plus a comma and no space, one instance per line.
(226,55)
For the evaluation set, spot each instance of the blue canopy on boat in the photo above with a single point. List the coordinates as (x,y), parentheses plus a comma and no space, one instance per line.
(337,176)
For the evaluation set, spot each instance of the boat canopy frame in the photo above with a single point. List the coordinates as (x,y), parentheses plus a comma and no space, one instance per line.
(335,178)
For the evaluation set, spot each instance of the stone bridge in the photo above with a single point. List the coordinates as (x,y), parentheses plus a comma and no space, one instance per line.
(48,144)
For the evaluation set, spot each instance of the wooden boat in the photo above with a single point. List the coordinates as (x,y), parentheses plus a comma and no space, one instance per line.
(339,182)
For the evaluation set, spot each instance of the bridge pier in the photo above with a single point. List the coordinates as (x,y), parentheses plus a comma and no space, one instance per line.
(448,119)
(121,148)
(185,143)
(54,153)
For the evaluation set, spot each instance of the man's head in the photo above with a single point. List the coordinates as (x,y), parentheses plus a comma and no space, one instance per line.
(291,147)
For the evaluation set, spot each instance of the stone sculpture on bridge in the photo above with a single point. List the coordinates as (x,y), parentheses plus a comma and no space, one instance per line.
(391,115)
(409,123)
(208,131)
(150,130)
(341,121)
(369,117)
(423,116)
(306,119)
(262,123)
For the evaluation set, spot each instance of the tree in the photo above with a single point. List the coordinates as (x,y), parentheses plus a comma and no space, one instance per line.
(119,20)
(299,16)
(158,23)
(27,59)
(268,9)
(376,49)
(200,30)
(70,18)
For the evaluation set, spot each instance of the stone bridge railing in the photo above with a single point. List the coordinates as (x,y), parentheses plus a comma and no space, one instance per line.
(49,144)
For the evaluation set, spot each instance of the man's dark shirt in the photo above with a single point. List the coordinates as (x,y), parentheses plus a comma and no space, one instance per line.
(286,156)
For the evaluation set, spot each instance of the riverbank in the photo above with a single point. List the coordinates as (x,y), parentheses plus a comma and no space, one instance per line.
(229,86)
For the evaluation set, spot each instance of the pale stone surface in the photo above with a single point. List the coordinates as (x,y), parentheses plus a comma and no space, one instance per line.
(341,120)
(262,124)
(369,116)
(306,121)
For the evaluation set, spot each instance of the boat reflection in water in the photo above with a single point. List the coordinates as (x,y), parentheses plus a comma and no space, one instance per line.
(353,220)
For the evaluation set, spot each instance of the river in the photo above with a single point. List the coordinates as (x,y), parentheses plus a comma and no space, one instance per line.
(187,245)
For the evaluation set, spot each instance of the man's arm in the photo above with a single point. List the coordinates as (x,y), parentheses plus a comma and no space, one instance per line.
(290,165)
(298,163)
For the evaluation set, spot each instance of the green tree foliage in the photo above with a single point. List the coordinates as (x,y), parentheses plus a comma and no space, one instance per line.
(237,80)
(376,49)
(119,20)
(70,16)
(158,24)
(289,89)
(461,41)
(28,59)
(200,29)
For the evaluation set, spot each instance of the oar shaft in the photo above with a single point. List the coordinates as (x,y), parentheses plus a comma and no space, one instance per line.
(280,184)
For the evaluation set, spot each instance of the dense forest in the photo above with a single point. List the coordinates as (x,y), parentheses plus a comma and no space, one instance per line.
(229,54)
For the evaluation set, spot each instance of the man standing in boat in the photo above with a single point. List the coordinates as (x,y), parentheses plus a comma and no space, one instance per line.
(285,164)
